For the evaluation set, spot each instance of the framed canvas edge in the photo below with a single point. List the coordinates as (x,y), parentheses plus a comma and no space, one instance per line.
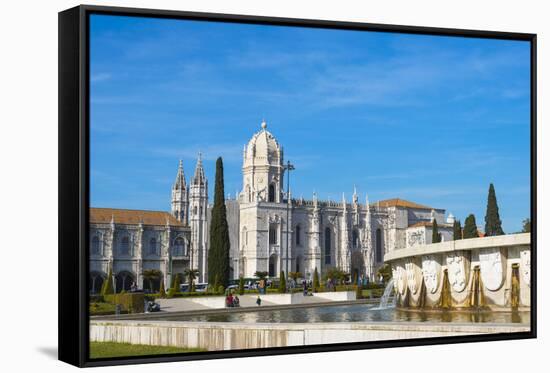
(73,316)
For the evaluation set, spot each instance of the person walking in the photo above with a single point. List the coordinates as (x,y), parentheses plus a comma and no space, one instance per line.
(304,285)
(259,301)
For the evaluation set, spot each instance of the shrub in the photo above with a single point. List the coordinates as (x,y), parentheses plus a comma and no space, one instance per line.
(130,302)
(107,287)
(316,284)
(282,282)
(241,286)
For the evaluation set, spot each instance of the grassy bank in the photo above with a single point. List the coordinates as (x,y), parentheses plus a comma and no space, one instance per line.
(99,350)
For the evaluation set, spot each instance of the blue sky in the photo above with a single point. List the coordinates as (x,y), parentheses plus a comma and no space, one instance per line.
(425,118)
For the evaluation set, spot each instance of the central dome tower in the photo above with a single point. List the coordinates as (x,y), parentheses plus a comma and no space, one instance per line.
(262,168)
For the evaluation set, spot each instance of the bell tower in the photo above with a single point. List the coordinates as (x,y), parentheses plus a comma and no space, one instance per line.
(180,201)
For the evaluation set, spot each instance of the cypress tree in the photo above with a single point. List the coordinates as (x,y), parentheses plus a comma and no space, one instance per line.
(493,224)
(218,256)
(107,287)
(316,284)
(162,291)
(526,226)
(470,227)
(457,230)
(241,285)
(282,282)
(436,237)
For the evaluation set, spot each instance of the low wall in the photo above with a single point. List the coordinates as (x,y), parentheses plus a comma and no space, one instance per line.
(337,295)
(279,299)
(227,336)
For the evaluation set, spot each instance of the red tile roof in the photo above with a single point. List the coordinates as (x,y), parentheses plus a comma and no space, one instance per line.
(125,216)
(397,202)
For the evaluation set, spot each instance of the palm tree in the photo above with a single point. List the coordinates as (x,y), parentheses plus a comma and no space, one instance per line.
(261,274)
(191,275)
(151,275)
(295,275)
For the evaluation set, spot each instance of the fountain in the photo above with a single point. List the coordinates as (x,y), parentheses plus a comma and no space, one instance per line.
(386,296)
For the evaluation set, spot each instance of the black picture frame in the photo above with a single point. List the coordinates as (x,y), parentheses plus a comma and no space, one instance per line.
(74,181)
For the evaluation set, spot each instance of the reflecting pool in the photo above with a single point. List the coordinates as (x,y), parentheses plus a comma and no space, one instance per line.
(359,312)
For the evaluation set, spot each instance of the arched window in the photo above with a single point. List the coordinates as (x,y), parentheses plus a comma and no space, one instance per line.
(271,193)
(153,246)
(327,245)
(124,281)
(96,282)
(298,233)
(124,246)
(355,239)
(272,270)
(379,256)
(95,246)
(272,235)
(178,247)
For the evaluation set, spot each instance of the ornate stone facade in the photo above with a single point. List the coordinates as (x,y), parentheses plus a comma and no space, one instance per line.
(269,231)
(352,236)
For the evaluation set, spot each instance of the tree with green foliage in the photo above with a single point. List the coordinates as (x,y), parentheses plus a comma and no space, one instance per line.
(151,275)
(295,276)
(191,275)
(282,282)
(241,285)
(493,224)
(261,275)
(176,282)
(526,226)
(336,274)
(470,227)
(107,287)
(359,291)
(218,254)
(457,230)
(385,271)
(316,283)
(162,291)
(436,236)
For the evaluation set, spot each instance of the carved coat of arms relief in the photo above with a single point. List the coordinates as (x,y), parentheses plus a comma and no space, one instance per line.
(413,275)
(431,270)
(458,266)
(491,264)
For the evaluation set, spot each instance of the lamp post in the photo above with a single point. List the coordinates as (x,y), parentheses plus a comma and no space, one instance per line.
(288,167)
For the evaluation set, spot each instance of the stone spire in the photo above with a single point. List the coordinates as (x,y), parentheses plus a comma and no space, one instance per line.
(180,178)
(180,203)
(199,178)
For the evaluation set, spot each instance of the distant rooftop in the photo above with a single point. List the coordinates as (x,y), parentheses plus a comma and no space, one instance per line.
(125,216)
(397,202)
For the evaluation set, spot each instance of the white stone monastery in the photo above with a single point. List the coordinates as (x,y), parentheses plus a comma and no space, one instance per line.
(352,236)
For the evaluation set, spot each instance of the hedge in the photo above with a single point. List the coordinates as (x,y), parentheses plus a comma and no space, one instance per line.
(130,302)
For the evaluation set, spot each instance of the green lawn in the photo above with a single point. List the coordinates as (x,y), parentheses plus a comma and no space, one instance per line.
(99,350)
